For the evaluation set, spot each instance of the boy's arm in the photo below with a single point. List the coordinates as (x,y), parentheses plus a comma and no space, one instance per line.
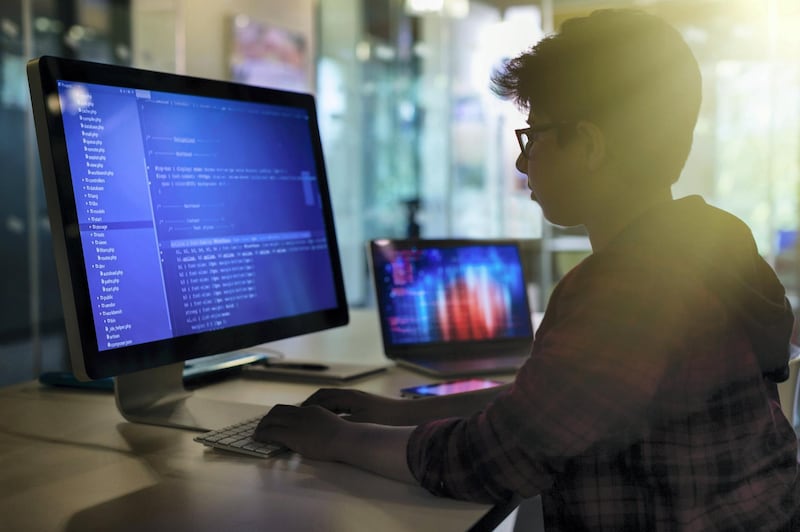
(370,408)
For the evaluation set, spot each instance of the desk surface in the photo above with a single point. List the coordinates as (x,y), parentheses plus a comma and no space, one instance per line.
(69,461)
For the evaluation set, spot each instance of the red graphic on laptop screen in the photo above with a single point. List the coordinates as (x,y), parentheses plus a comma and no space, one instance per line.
(471,309)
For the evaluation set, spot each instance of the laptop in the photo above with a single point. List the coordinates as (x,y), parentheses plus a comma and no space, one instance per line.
(452,308)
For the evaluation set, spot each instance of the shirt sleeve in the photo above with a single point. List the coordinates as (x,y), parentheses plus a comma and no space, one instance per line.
(595,365)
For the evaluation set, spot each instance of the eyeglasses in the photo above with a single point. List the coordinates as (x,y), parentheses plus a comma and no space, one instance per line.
(527,136)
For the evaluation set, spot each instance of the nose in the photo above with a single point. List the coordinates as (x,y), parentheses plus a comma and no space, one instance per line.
(522,164)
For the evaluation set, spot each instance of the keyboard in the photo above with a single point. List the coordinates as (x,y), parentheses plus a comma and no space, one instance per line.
(239,439)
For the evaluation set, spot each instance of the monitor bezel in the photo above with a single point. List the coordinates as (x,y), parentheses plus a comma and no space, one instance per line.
(87,360)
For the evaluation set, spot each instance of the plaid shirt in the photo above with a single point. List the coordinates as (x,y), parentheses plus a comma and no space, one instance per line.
(642,407)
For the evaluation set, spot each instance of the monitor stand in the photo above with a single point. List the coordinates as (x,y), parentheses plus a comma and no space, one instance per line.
(157,397)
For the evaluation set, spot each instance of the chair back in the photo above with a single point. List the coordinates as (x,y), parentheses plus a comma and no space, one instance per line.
(788,390)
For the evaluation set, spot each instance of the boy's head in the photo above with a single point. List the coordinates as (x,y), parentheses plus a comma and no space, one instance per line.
(628,72)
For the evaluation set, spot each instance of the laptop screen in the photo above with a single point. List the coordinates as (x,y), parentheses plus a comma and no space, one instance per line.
(437,291)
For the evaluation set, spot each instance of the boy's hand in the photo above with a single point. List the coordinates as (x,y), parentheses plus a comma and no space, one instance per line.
(364,407)
(310,430)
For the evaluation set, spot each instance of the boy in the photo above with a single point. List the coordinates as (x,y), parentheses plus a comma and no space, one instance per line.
(649,399)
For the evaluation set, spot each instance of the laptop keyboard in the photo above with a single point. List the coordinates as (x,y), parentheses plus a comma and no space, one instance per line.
(238,438)
(499,362)
(471,366)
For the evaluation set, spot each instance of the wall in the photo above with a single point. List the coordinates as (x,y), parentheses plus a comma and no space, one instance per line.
(192,36)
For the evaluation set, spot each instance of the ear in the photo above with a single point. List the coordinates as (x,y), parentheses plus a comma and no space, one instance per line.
(593,142)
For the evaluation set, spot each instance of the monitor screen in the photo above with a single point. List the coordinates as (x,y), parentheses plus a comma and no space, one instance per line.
(190,216)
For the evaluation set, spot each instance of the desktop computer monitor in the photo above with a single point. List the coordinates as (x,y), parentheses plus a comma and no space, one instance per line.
(189,217)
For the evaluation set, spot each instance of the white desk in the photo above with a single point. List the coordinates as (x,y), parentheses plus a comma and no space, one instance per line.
(69,461)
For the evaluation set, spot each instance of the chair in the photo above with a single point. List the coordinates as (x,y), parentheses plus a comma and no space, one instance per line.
(788,390)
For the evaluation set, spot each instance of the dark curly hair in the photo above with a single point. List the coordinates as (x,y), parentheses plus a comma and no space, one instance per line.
(629,72)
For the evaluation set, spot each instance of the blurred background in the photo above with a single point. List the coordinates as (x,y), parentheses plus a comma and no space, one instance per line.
(415,143)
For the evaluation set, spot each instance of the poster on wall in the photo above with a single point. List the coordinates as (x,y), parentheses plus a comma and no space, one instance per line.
(268,56)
